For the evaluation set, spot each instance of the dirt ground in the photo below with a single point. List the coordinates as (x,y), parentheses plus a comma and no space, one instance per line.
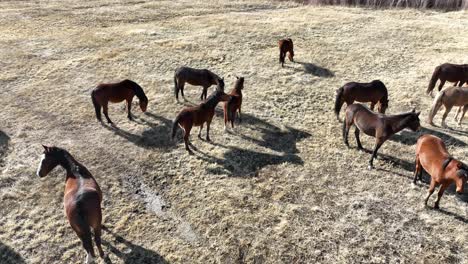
(282,189)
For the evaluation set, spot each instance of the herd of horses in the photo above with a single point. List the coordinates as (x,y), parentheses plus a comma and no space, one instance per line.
(83,197)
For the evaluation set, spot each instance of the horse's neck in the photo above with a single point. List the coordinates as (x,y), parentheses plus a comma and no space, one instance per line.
(72,167)
(400,122)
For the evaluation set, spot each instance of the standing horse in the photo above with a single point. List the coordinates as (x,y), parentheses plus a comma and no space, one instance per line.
(286,45)
(380,126)
(198,77)
(450,97)
(197,116)
(433,157)
(234,104)
(82,198)
(373,92)
(461,109)
(456,73)
(115,93)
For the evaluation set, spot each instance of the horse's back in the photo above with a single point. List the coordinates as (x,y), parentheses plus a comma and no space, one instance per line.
(432,152)
(114,92)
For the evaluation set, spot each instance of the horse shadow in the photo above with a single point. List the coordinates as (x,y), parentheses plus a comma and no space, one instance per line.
(240,162)
(156,136)
(410,138)
(8,255)
(457,217)
(316,70)
(132,253)
(4,139)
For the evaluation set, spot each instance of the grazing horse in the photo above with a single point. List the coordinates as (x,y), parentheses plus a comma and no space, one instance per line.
(373,92)
(456,73)
(234,104)
(380,126)
(450,97)
(115,93)
(82,198)
(433,157)
(198,77)
(197,116)
(286,45)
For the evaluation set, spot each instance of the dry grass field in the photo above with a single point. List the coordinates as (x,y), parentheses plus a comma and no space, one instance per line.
(282,189)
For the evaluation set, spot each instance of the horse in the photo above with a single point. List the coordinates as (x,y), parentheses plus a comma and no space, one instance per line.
(450,97)
(82,198)
(456,73)
(433,157)
(373,92)
(380,126)
(197,116)
(115,93)
(197,77)
(461,109)
(286,45)
(234,104)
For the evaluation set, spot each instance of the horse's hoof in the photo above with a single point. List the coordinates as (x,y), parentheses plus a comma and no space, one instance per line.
(370,167)
(208,139)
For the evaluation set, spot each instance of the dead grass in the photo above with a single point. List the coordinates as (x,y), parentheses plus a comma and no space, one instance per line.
(284,189)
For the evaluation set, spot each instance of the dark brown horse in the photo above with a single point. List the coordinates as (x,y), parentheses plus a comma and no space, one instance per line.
(115,93)
(197,116)
(373,92)
(234,104)
(433,157)
(82,198)
(286,46)
(380,126)
(197,77)
(456,73)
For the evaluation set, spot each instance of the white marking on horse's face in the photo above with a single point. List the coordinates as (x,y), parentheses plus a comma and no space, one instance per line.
(38,172)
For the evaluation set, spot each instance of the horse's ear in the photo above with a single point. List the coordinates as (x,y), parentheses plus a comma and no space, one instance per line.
(414,110)
(237,77)
(45,148)
(418,113)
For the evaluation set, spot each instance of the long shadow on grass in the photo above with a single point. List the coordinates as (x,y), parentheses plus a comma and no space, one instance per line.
(314,69)
(410,138)
(4,138)
(8,255)
(244,162)
(156,136)
(131,253)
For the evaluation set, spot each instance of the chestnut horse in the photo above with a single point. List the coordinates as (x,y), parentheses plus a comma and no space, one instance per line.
(456,73)
(197,116)
(234,104)
(373,92)
(286,45)
(433,157)
(380,126)
(450,97)
(115,93)
(82,198)
(198,77)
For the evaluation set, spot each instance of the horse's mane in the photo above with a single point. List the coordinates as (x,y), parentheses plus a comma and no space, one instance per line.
(446,162)
(213,99)
(137,89)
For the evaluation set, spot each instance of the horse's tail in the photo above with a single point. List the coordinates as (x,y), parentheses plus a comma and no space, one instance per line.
(338,101)
(176,87)
(435,77)
(84,228)
(435,106)
(96,105)
(174,126)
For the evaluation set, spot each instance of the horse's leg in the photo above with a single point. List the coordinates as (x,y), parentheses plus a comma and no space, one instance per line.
(439,194)
(447,111)
(431,191)
(240,117)
(104,110)
(129,108)
(346,128)
(465,108)
(199,132)
(181,88)
(208,123)
(458,112)
(187,129)
(358,141)
(417,169)
(442,82)
(378,144)
(97,240)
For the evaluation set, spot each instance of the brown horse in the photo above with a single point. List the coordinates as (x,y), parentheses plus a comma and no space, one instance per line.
(373,92)
(433,157)
(197,77)
(450,97)
(286,45)
(461,109)
(82,198)
(456,73)
(197,116)
(234,104)
(115,93)
(380,126)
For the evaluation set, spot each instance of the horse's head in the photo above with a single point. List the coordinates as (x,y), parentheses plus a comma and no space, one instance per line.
(413,120)
(461,177)
(383,105)
(143,104)
(239,83)
(51,157)
(220,82)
